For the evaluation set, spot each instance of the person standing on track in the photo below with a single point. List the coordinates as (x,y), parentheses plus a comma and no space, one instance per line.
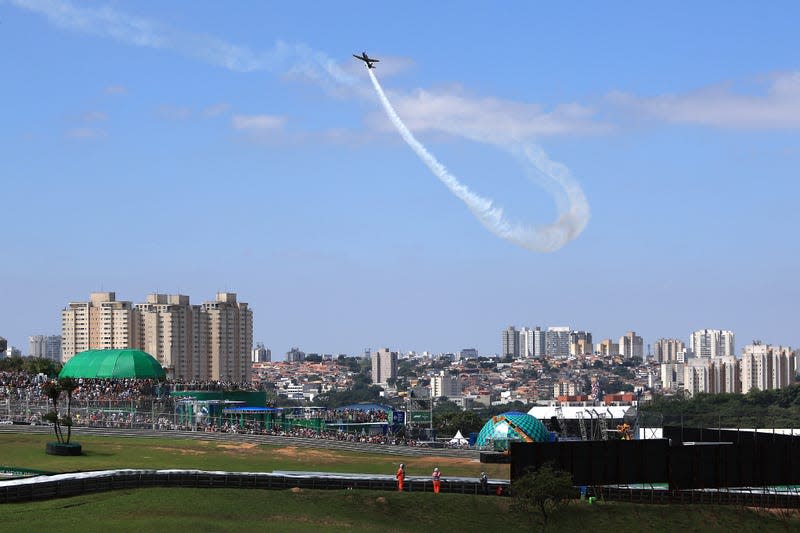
(437,480)
(401,477)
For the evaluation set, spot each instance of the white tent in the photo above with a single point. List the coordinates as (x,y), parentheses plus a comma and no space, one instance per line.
(459,439)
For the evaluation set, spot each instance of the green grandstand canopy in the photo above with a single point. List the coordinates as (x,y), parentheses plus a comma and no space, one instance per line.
(513,425)
(110,364)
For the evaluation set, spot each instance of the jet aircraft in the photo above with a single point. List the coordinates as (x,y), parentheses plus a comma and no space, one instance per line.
(366,59)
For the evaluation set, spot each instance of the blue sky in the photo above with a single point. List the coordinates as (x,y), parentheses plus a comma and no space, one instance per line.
(194,147)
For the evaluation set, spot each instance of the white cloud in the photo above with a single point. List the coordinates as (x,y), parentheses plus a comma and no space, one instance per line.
(86,133)
(216,110)
(94,116)
(492,120)
(776,107)
(116,89)
(258,123)
(172,112)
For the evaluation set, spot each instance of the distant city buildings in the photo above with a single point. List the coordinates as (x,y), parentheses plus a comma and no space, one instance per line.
(510,343)
(101,323)
(607,348)
(211,341)
(295,355)
(580,343)
(261,354)
(631,345)
(47,346)
(556,341)
(712,343)
(384,366)
(764,366)
(445,385)
(761,367)
(667,350)
(3,346)
(468,353)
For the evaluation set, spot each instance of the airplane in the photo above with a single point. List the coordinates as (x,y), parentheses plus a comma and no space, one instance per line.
(366,59)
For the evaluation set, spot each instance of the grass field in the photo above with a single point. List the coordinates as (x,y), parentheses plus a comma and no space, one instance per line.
(26,450)
(305,510)
(160,509)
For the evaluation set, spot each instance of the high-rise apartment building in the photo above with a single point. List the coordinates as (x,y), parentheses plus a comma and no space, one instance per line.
(667,350)
(384,366)
(261,354)
(556,341)
(166,330)
(47,346)
(101,323)
(510,342)
(607,347)
(764,366)
(580,343)
(444,385)
(631,345)
(526,339)
(468,353)
(538,342)
(565,388)
(712,343)
(229,327)
(672,375)
(211,341)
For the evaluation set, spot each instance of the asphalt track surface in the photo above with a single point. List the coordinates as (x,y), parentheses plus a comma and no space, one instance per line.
(274,440)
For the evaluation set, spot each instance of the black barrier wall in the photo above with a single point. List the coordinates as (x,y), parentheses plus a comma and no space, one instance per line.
(685,459)
(598,462)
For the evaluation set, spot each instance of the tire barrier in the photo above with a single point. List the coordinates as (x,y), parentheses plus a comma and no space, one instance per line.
(79,483)
(765,498)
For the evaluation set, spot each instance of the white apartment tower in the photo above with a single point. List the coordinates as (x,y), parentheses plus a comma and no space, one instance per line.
(261,354)
(557,341)
(444,385)
(526,342)
(102,323)
(764,366)
(384,366)
(712,343)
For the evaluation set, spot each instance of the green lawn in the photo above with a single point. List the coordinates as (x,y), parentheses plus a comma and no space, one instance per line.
(26,450)
(160,509)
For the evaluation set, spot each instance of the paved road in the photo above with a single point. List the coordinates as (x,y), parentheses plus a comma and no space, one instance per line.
(275,440)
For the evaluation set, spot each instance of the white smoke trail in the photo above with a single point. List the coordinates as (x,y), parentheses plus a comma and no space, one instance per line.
(105,21)
(572,206)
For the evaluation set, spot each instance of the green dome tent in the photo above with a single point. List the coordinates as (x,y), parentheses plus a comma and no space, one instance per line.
(110,364)
(512,425)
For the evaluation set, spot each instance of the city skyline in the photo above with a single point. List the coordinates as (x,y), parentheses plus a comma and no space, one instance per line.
(190,149)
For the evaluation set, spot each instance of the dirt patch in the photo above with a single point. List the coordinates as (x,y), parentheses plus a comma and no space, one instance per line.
(238,447)
(296,490)
(182,451)
(381,500)
(293,452)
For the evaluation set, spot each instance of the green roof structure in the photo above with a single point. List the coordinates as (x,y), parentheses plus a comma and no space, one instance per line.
(511,426)
(113,364)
